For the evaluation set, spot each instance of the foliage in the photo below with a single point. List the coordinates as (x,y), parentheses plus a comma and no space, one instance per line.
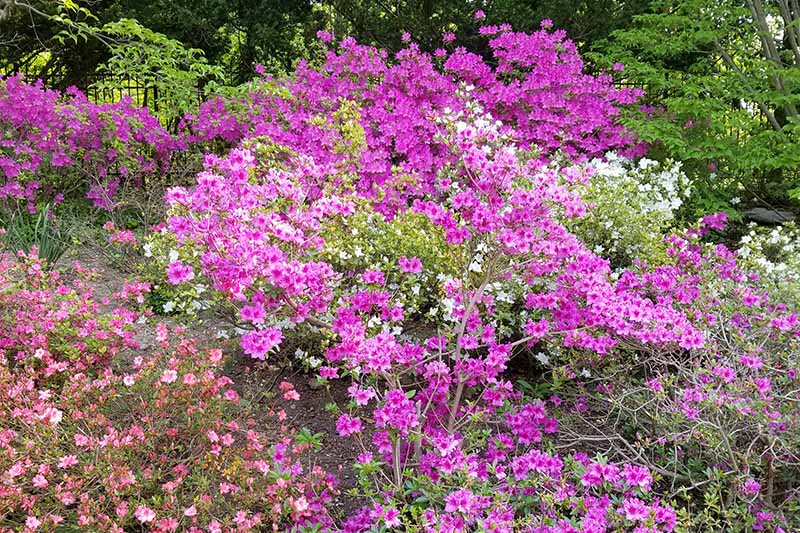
(722,80)
(235,36)
(54,40)
(633,204)
(64,42)
(175,73)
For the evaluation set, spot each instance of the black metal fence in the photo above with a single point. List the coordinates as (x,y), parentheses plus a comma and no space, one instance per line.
(106,89)
(99,88)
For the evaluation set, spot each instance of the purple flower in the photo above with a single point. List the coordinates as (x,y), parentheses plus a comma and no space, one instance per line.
(751,487)
(178,272)
(348,425)
(412,265)
(258,343)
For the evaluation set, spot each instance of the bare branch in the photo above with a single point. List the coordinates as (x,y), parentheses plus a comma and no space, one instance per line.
(761,105)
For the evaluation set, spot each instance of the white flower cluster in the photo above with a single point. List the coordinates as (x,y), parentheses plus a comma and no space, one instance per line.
(661,187)
(633,204)
(774,254)
(473,117)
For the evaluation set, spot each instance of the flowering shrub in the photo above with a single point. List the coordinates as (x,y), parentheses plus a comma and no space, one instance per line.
(50,322)
(537,89)
(774,254)
(255,223)
(160,250)
(408,250)
(60,143)
(721,423)
(164,445)
(634,204)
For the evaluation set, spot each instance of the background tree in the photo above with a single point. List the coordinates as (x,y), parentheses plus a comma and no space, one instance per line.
(382,23)
(233,35)
(237,34)
(722,78)
(48,40)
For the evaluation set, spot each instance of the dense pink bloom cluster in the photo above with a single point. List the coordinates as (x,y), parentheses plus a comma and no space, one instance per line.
(56,142)
(253,220)
(537,87)
(51,322)
(258,239)
(161,444)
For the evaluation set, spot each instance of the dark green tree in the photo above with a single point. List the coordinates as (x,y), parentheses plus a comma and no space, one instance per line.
(382,22)
(233,34)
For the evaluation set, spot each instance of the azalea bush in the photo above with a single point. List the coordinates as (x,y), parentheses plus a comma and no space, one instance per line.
(397,247)
(774,254)
(95,437)
(256,231)
(163,445)
(634,204)
(158,251)
(50,321)
(720,423)
(58,145)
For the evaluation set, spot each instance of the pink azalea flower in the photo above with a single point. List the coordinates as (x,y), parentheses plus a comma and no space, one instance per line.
(412,265)
(144,514)
(347,425)
(178,272)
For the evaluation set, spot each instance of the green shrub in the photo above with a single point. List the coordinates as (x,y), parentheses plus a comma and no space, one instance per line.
(369,242)
(634,206)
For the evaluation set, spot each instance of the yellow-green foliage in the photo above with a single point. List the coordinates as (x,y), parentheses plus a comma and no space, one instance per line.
(368,242)
(634,206)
